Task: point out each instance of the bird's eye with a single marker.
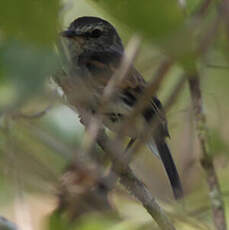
(96, 33)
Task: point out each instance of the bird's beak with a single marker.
(68, 34)
(71, 34)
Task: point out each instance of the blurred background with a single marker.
(39, 135)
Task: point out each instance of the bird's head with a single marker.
(93, 34)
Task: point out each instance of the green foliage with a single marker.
(26, 67)
(88, 222)
(28, 31)
(156, 20)
(192, 5)
(33, 21)
(222, 43)
(217, 143)
(161, 23)
(58, 222)
(166, 24)
(23, 151)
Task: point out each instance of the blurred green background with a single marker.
(34, 152)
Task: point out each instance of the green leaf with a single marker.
(59, 222)
(154, 19)
(217, 144)
(192, 5)
(89, 221)
(34, 21)
(25, 67)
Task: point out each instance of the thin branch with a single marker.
(216, 66)
(131, 182)
(209, 37)
(206, 161)
(126, 63)
(171, 100)
(22, 214)
(19, 115)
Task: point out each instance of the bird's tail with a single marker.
(160, 148)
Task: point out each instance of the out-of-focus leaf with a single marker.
(217, 144)
(28, 29)
(92, 221)
(24, 157)
(35, 21)
(59, 222)
(161, 22)
(154, 19)
(191, 5)
(165, 24)
(95, 222)
(222, 43)
(1, 73)
(25, 67)
(6, 193)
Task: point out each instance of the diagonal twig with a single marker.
(133, 184)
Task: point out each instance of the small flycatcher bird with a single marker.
(95, 52)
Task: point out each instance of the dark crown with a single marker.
(89, 20)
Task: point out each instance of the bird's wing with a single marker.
(154, 112)
(104, 65)
(134, 85)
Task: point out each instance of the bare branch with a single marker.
(18, 115)
(206, 158)
(131, 182)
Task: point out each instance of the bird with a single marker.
(95, 51)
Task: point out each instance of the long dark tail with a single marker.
(170, 168)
